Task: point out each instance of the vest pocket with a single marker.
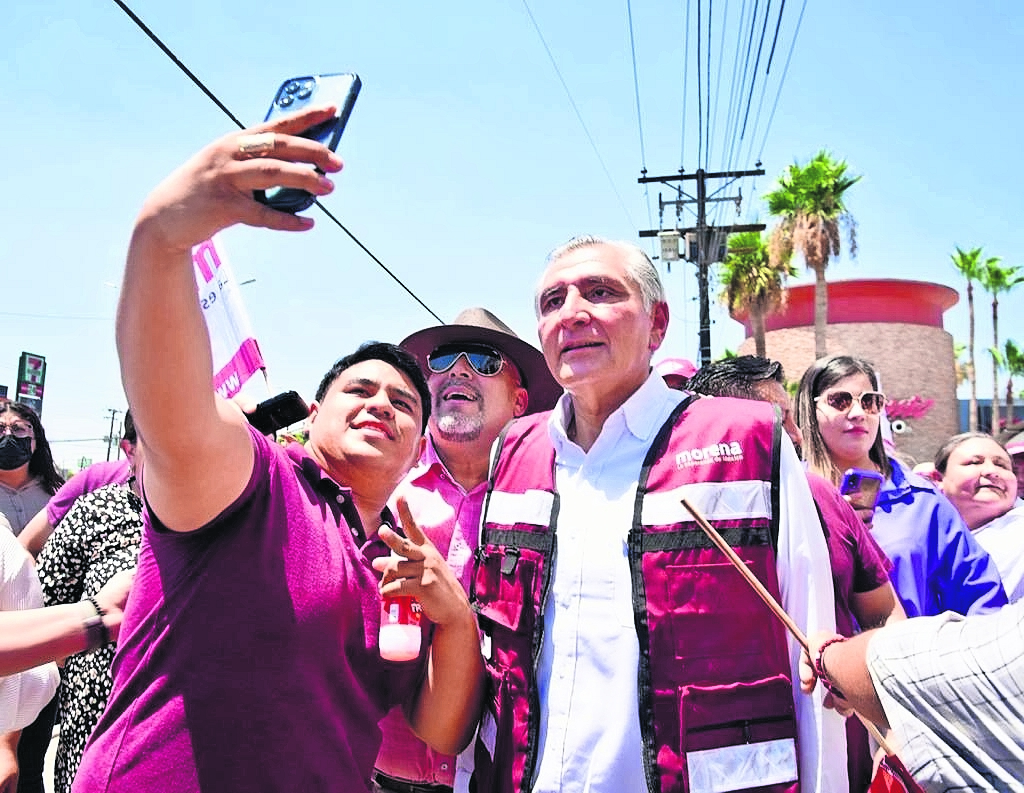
(503, 587)
(739, 736)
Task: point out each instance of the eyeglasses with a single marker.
(870, 401)
(17, 430)
(485, 361)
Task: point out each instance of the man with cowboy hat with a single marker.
(481, 375)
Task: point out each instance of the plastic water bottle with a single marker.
(400, 633)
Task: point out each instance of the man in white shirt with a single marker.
(566, 636)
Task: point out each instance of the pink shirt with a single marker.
(450, 517)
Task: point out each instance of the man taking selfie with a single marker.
(248, 658)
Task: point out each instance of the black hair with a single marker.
(390, 354)
(41, 465)
(736, 377)
(129, 434)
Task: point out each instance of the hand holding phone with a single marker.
(278, 412)
(862, 487)
(298, 93)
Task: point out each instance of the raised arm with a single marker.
(198, 452)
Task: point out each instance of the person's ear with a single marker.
(520, 403)
(659, 325)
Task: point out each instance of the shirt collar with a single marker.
(326, 485)
(641, 412)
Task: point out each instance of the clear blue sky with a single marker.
(466, 161)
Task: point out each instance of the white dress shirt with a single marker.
(23, 695)
(590, 738)
(1003, 538)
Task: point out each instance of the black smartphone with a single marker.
(862, 487)
(297, 93)
(278, 412)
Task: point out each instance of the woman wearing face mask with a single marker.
(28, 476)
(976, 473)
(937, 565)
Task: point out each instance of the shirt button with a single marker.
(340, 498)
(444, 766)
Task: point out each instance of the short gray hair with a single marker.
(639, 267)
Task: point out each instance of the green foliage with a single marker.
(809, 199)
(748, 276)
(1012, 359)
(816, 188)
(996, 279)
(969, 263)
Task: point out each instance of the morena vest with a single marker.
(715, 695)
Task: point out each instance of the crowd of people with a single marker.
(578, 630)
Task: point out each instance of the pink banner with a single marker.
(236, 354)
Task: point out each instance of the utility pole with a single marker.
(707, 240)
(110, 437)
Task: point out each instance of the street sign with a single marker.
(31, 376)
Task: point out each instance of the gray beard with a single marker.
(460, 428)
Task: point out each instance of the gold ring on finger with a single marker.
(257, 145)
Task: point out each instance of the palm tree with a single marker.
(751, 283)
(970, 266)
(809, 200)
(997, 280)
(959, 366)
(1013, 361)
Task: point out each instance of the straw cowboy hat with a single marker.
(480, 326)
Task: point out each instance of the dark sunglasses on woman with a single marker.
(870, 401)
(485, 361)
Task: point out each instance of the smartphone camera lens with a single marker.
(292, 86)
(305, 90)
(285, 100)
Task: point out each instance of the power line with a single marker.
(686, 82)
(721, 61)
(700, 98)
(707, 147)
(636, 85)
(576, 110)
(167, 51)
(775, 38)
(639, 118)
(785, 71)
(732, 113)
(757, 62)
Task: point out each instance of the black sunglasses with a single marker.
(486, 361)
(870, 401)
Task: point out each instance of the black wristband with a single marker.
(96, 632)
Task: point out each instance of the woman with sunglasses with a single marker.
(937, 565)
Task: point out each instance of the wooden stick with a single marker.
(770, 601)
(745, 571)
